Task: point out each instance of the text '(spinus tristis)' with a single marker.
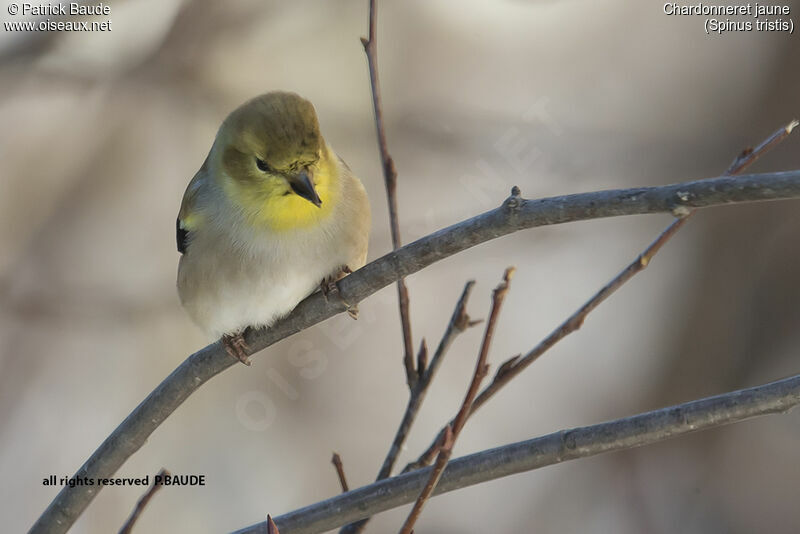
(272, 215)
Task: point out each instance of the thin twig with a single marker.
(142, 502)
(390, 177)
(513, 215)
(749, 156)
(643, 429)
(482, 368)
(422, 359)
(451, 433)
(337, 463)
(445, 451)
(515, 365)
(459, 322)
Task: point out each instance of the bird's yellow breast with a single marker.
(289, 212)
(282, 212)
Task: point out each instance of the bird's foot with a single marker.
(237, 347)
(329, 286)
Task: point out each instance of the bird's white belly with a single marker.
(259, 301)
(231, 290)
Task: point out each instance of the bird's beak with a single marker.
(303, 186)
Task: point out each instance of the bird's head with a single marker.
(274, 156)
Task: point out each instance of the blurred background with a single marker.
(101, 132)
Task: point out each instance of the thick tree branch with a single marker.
(514, 214)
(642, 429)
(515, 365)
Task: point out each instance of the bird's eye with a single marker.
(262, 165)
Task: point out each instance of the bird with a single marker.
(272, 215)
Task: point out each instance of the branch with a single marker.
(515, 365)
(272, 528)
(435, 475)
(142, 502)
(514, 214)
(337, 464)
(643, 429)
(451, 433)
(390, 177)
(459, 322)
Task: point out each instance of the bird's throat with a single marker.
(287, 212)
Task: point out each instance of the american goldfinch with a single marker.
(272, 215)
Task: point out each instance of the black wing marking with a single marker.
(181, 235)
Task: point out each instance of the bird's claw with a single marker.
(329, 286)
(237, 347)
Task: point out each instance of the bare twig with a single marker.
(142, 502)
(337, 463)
(749, 156)
(459, 322)
(422, 359)
(643, 429)
(482, 368)
(515, 365)
(390, 177)
(445, 451)
(451, 433)
(515, 214)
